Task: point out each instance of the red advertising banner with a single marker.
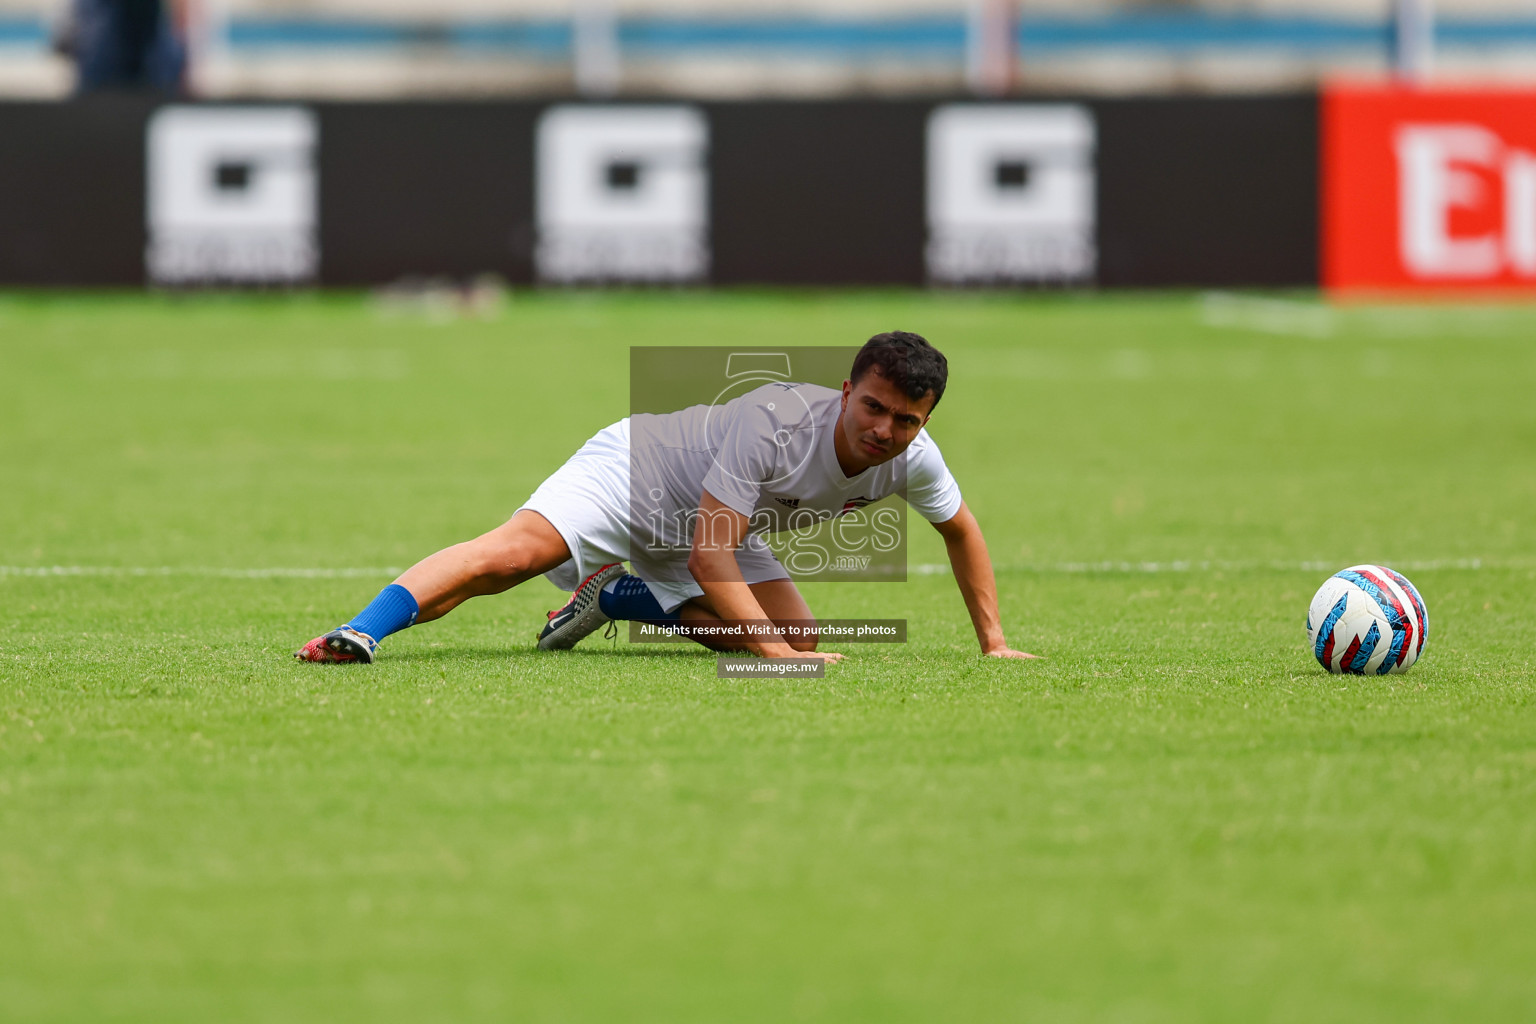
(1428, 190)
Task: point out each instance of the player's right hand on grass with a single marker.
(1008, 652)
(830, 657)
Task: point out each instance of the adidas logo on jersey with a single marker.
(788, 502)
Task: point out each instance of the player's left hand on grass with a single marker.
(1009, 652)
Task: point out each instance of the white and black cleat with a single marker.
(581, 615)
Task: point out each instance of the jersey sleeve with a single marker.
(745, 458)
(931, 489)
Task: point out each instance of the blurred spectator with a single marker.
(124, 45)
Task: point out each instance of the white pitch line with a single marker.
(1178, 566)
(920, 569)
(1268, 315)
(195, 570)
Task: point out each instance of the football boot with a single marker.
(339, 647)
(581, 615)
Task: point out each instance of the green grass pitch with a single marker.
(1176, 817)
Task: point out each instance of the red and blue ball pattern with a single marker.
(1367, 620)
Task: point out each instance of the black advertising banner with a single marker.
(72, 192)
(425, 189)
(1208, 191)
(1136, 192)
(817, 193)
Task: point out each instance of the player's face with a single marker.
(879, 420)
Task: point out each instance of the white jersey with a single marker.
(771, 450)
(633, 491)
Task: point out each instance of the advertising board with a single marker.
(1131, 192)
(232, 195)
(1428, 191)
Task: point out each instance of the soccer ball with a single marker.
(1367, 620)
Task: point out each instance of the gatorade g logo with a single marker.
(746, 372)
(621, 194)
(232, 195)
(1011, 194)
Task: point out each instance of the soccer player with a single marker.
(686, 496)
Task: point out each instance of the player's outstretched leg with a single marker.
(523, 547)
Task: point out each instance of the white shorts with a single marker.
(587, 502)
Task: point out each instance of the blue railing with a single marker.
(941, 37)
(23, 32)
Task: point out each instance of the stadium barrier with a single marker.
(1429, 191)
(1130, 192)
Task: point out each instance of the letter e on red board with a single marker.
(1428, 190)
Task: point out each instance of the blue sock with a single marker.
(390, 612)
(629, 598)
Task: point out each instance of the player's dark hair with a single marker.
(907, 361)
